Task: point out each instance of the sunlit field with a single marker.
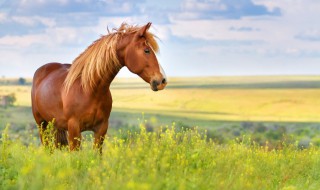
(279, 99)
(225, 104)
(240, 99)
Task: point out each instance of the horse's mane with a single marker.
(100, 58)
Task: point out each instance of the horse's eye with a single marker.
(147, 51)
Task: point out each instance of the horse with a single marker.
(77, 96)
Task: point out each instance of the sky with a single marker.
(197, 38)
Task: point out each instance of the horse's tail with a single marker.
(61, 138)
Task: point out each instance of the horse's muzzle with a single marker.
(158, 84)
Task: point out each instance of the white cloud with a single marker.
(270, 4)
(42, 2)
(309, 35)
(3, 17)
(28, 2)
(32, 21)
(54, 36)
(287, 35)
(23, 41)
(51, 37)
(222, 9)
(56, 7)
(163, 32)
(213, 5)
(63, 2)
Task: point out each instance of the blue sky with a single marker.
(198, 38)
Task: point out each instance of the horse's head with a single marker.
(140, 58)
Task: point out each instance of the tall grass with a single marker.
(166, 159)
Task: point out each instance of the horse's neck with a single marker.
(122, 44)
(105, 82)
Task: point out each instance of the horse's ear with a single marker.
(144, 29)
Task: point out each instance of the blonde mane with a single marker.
(100, 58)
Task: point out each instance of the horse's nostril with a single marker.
(164, 81)
(155, 85)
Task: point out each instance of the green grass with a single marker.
(166, 159)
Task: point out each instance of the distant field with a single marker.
(226, 98)
(279, 99)
(22, 93)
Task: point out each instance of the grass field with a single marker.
(254, 133)
(278, 99)
(230, 98)
(165, 159)
(225, 104)
(209, 102)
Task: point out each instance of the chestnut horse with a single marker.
(77, 95)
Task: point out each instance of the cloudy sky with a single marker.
(198, 38)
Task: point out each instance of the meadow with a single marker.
(199, 133)
(166, 159)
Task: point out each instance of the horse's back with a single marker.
(50, 75)
(46, 90)
(45, 70)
